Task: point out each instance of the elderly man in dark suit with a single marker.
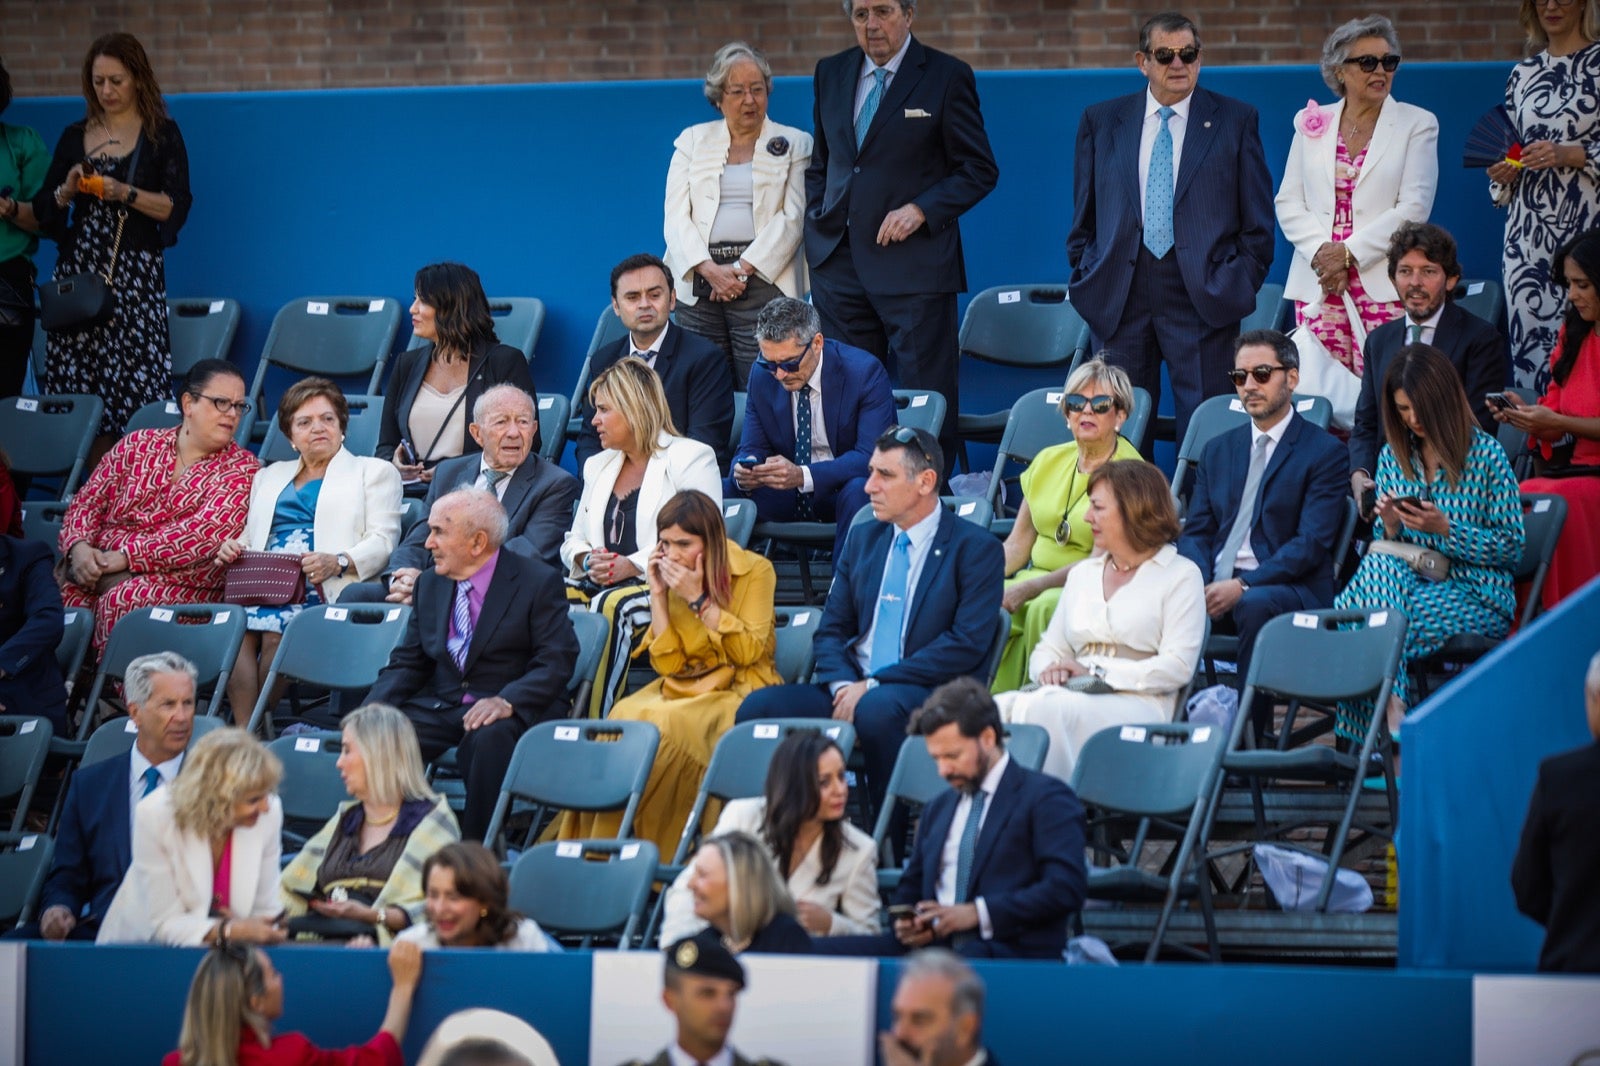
(809, 423)
(997, 869)
(94, 844)
(538, 496)
(1268, 500)
(1172, 221)
(695, 374)
(915, 601)
(488, 651)
(1558, 859)
(31, 625)
(900, 155)
(1424, 269)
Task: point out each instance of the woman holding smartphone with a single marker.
(712, 641)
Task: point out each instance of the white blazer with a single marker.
(166, 896)
(679, 463)
(694, 189)
(851, 894)
(358, 512)
(1396, 184)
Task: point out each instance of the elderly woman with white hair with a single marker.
(360, 877)
(735, 208)
(1356, 171)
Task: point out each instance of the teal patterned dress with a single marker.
(1484, 546)
(293, 520)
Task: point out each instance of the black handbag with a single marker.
(80, 302)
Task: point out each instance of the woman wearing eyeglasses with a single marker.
(1050, 536)
(146, 527)
(736, 200)
(1553, 99)
(1356, 171)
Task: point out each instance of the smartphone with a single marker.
(902, 912)
(1498, 400)
(404, 453)
(747, 461)
(1408, 501)
(1369, 500)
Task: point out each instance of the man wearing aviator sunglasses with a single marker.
(1165, 272)
(1268, 500)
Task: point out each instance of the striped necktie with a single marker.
(461, 614)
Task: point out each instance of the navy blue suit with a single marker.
(1185, 307)
(30, 628)
(1478, 351)
(857, 407)
(926, 145)
(955, 610)
(695, 375)
(1298, 515)
(94, 844)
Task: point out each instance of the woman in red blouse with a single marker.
(145, 528)
(236, 995)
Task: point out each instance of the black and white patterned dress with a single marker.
(1553, 98)
(128, 361)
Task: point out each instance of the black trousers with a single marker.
(483, 755)
(16, 342)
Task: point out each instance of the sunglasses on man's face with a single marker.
(1262, 374)
(1164, 56)
(788, 366)
(1075, 402)
(1368, 64)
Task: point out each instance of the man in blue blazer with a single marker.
(31, 625)
(847, 402)
(1006, 889)
(480, 689)
(94, 843)
(1166, 273)
(900, 155)
(1425, 270)
(695, 374)
(1271, 552)
(915, 602)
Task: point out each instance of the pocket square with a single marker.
(916, 112)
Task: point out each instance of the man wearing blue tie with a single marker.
(1172, 222)
(815, 408)
(94, 844)
(915, 602)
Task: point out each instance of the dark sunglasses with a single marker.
(1075, 402)
(1262, 374)
(223, 404)
(788, 366)
(1368, 64)
(1188, 53)
(904, 435)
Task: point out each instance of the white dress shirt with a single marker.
(1246, 559)
(649, 354)
(921, 536)
(945, 888)
(499, 489)
(821, 450)
(1430, 326)
(1177, 124)
(680, 1057)
(138, 764)
(864, 84)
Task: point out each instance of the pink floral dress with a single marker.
(1329, 320)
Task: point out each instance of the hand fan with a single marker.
(1494, 139)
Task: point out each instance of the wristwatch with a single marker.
(133, 195)
(343, 560)
(872, 683)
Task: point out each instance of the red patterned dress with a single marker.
(169, 528)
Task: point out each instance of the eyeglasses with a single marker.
(1075, 402)
(905, 435)
(1262, 374)
(1188, 53)
(1390, 62)
(223, 404)
(788, 366)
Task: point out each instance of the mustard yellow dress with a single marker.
(704, 675)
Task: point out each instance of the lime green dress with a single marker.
(1053, 487)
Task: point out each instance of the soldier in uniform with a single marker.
(700, 986)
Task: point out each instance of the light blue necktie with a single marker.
(968, 847)
(891, 605)
(1158, 191)
(1246, 516)
(869, 106)
(152, 779)
(461, 614)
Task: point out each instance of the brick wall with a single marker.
(201, 46)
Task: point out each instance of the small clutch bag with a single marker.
(265, 579)
(1092, 684)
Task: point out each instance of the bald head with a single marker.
(504, 424)
(465, 528)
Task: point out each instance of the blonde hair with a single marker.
(635, 391)
(389, 749)
(1112, 377)
(225, 982)
(222, 768)
(756, 894)
(1538, 40)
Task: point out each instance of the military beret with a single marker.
(704, 956)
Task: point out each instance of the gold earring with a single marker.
(483, 912)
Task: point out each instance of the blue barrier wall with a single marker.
(543, 187)
(114, 1005)
(1472, 755)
